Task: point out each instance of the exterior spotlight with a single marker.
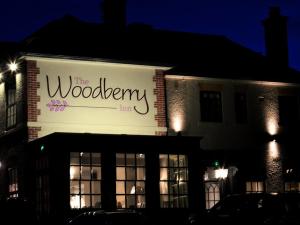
(13, 66)
(221, 173)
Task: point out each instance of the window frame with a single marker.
(211, 109)
(11, 108)
(137, 195)
(171, 194)
(85, 178)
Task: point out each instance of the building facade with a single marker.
(107, 119)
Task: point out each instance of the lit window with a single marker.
(254, 186)
(292, 187)
(173, 181)
(13, 187)
(85, 180)
(212, 194)
(130, 180)
(211, 106)
(11, 110)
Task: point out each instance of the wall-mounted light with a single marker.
(221, 173)
(13, 66)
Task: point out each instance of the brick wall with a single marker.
(32, 98)
(159, 104)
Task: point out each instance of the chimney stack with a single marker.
(114, 14)
(276, 42)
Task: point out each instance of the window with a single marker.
(212, 194)
(173, 181)
(211, 106)
(130, 180)
(11, 110)
(292, 186)
(42, 186)
(288, 110)
(13, 187)
(240, 107)
(85, 180)
(254, 186)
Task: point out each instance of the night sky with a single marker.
(239, 20)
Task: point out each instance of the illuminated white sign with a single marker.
(95, 97)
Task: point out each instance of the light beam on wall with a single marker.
(177, 123)
(273, 150)
(272, 126)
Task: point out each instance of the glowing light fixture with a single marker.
(13, 66)
(221, 173)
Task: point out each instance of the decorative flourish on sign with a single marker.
(57, 105)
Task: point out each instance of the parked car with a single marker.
(101, 217)
(255, 208)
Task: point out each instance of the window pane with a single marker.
(96, 173)
(74, 187)
(141, 202)
(140, 159)
(120, 159)
(85, 201)
(164, 201)
(85, 187)
(163, 160)
(140, 173)
(120, 173)
(130, 159)
(130, 187)
(173, 161)
(130, 173)
(183, 161)
(74, 172)
(140, 187)
(96, 187)
(183, 188)
(163, 174)
(75, 201)
(163, 187)
(96, 159)
(96, 201)
(85, 158)
(85, 173)
(121, 201)
(130, 200)
(120, 187)
(74, 158)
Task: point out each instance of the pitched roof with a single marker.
(188, 53)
